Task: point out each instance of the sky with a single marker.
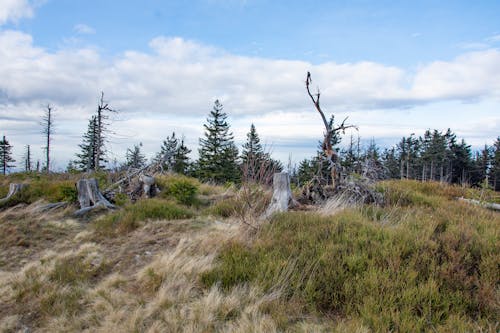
(393, 67)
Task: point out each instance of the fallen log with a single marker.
(14, 189)
(90, 197)
(489, 205)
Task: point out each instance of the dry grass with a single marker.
(423, 261)
(77, 291)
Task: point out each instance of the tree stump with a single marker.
(90, 197)
(282, 195)
(14, 189)
(148, 185)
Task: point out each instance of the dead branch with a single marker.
(489, 205)
(330, 153)
(13, 190)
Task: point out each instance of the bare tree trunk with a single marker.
(282, 194)
(48, 130)
(90, 197)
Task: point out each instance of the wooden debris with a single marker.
(90, 197)
(282, 195)
(14, 189)
(489, 205)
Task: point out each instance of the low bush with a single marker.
(132, 215)
(183, 189)
(433, 267)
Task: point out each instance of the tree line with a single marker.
(435, 155)
(219, 159)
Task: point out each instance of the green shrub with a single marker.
(184, 191)
(433, 264)
(132, 215)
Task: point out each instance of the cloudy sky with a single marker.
(394, 69)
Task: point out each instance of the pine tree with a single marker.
(181, 162)
(135, 158)
(87, 157)
(166, 156)
(495, 169)
(173, 155)
(218, 155)
(252, 156)
(6, 158)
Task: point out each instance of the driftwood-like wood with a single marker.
(148, 185)
(489, 205)
(282, 195)
(90, 197)
(14, 189)
(330, 130)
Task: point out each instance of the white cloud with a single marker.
(173, 86)
(13, 10)
(494, 38)
(84, 29)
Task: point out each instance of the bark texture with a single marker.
(90, 197)
(282, 194)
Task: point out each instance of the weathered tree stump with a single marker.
(148, 185)
(90, 197)
(282, 195)
(14, 189)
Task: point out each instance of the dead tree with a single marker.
(330, 130)
(102, 109)
(13, 190)
(48, 130)
(282, 195)
(90, 197)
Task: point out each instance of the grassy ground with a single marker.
(185, 263)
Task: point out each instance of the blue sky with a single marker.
(402, 33)
(394, 67)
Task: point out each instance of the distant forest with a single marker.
(434, 156)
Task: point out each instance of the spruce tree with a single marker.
(166, 156)
(135, 158)
(173, 155)
(6, 158)
(495, 170)
(87, 157)
(252, 156)
(218, 155)
(181, 161)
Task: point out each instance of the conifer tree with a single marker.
(173, 155)
(495, 169)
(181, 162)
(135, 158)
(166, 156)
(258, 165)
(87, 157)
(6, 158)
(218, 155)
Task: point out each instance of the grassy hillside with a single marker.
(185, 262)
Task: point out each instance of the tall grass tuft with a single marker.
(433, 266)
